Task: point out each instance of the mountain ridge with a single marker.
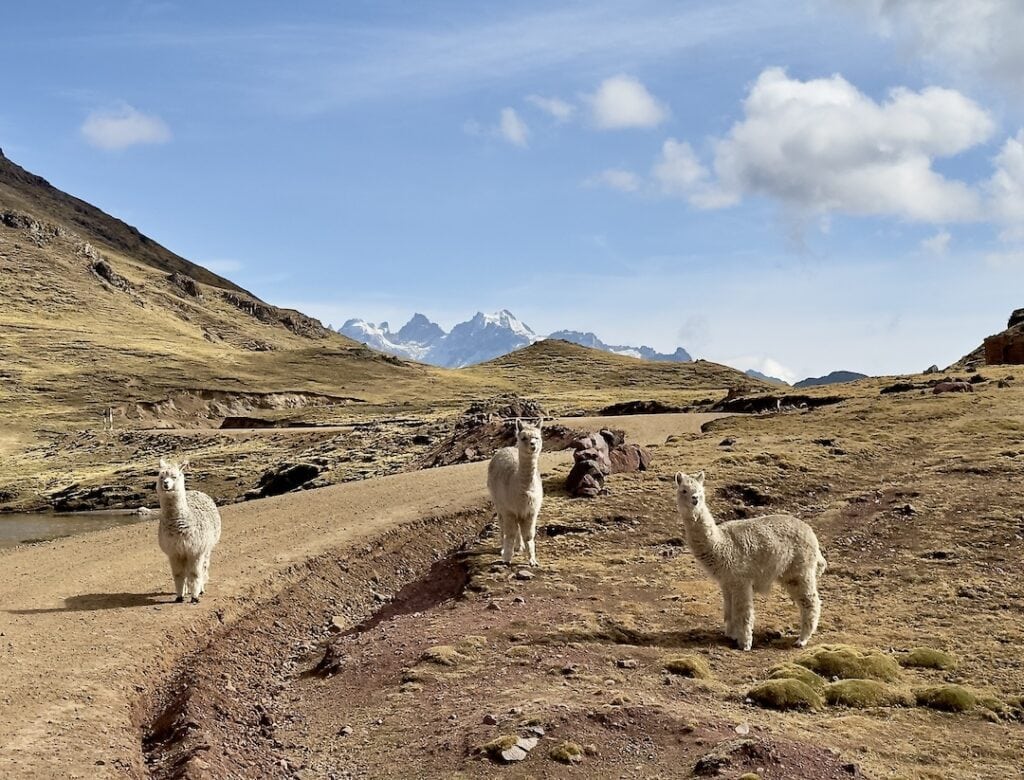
(479, 339)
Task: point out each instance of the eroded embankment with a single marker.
(216, 715)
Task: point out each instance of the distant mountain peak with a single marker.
(482, 337)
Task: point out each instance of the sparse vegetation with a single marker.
(567, 752)
(860, 694)
(689, 666)
(785, 694)
(928, 658)
(948, 698)
(797, 672)
(849, 663)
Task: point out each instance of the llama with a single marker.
(750, 555)
(516, 490)
(189, 530)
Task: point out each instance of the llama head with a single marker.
(528, 437)
(689, 491)
(172, 476)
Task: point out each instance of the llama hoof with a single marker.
(800, 643)
(195, 599)
(745, 646)
(179, 600)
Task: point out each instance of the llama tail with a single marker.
(822, 564)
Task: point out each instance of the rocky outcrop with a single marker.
(953, 387)
(186, 284)
(285, 478)
(597, 455)
(1006, 348)
(639, 407)
(758, 404)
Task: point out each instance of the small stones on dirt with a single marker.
(525, 575)
(345, 731)
(494, 606)
(567, 752)
(626, 663)
(728, 441)
(518, 600)
(722, 757)
(490, 720)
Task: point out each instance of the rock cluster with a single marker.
(597, 455)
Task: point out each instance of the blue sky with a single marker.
(833, 184)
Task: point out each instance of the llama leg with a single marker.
(509, 532)
(204, 572)
(178, 573)
(805, 595)
(194, 578)
(730, 628)
(743, 615)
(528, 532)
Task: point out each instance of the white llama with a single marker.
(516, 490)
(750, 555)
(189, 530)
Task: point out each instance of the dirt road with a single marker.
(86, 624)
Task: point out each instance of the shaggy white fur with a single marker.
(750, 555)
(189, 530)
(516, 490)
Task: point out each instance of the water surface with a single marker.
(38, 526)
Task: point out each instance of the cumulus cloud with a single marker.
(122, 127)
(974, 37)
(1006, 188)
(823, 146)
(937, 244)
(512, 128)
(558, 109)
(615, 178)
(622, 102)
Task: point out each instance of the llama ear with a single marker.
(700, 477)
(519, 425)
(163, 464)
(183, 466)
(679, 478)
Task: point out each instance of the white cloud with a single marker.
(622, 101)
(512, 128)
(980, 38)
(557, 108)
(1006, 188)
(677, 171)
(124, 126)
(937, 244)
(766, 365)
(616, 179)
(822, 145)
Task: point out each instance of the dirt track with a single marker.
(86, 625)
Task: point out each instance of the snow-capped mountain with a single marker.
(589, 339)
(482, 338)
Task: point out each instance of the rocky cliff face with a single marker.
(1005, 348)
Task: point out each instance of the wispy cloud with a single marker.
(555, 107)
(616, 179)
(512, 128)
(124, 126)
(937, 244)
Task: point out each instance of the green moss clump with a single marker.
(861, 694)
(750, 776)
(785, 694)
(796, 672)
(472, 642)
(927, 658)
(849, 663)
(442, 655)
(948, 698)
(689, 666)
(567, 752)
(499, 745)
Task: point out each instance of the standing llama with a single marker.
(750, 555)
(189, 530)
(516, 490)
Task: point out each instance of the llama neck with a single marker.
(527, 466)
(702, 528)
(173, 504)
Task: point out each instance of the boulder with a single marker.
(932, 369)
(953, 387)
(586, 480)
(286, 477)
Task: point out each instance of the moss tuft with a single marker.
(850, 663)
(689, 666)
(861, 694)
(928, 658)
(797, 672)
(785, 694)
(442, 655)
(948, 698)
(472, 642)
(567, 752)
(499, 745)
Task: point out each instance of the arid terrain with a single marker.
(358, 622)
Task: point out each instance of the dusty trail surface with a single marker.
(87, 626)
